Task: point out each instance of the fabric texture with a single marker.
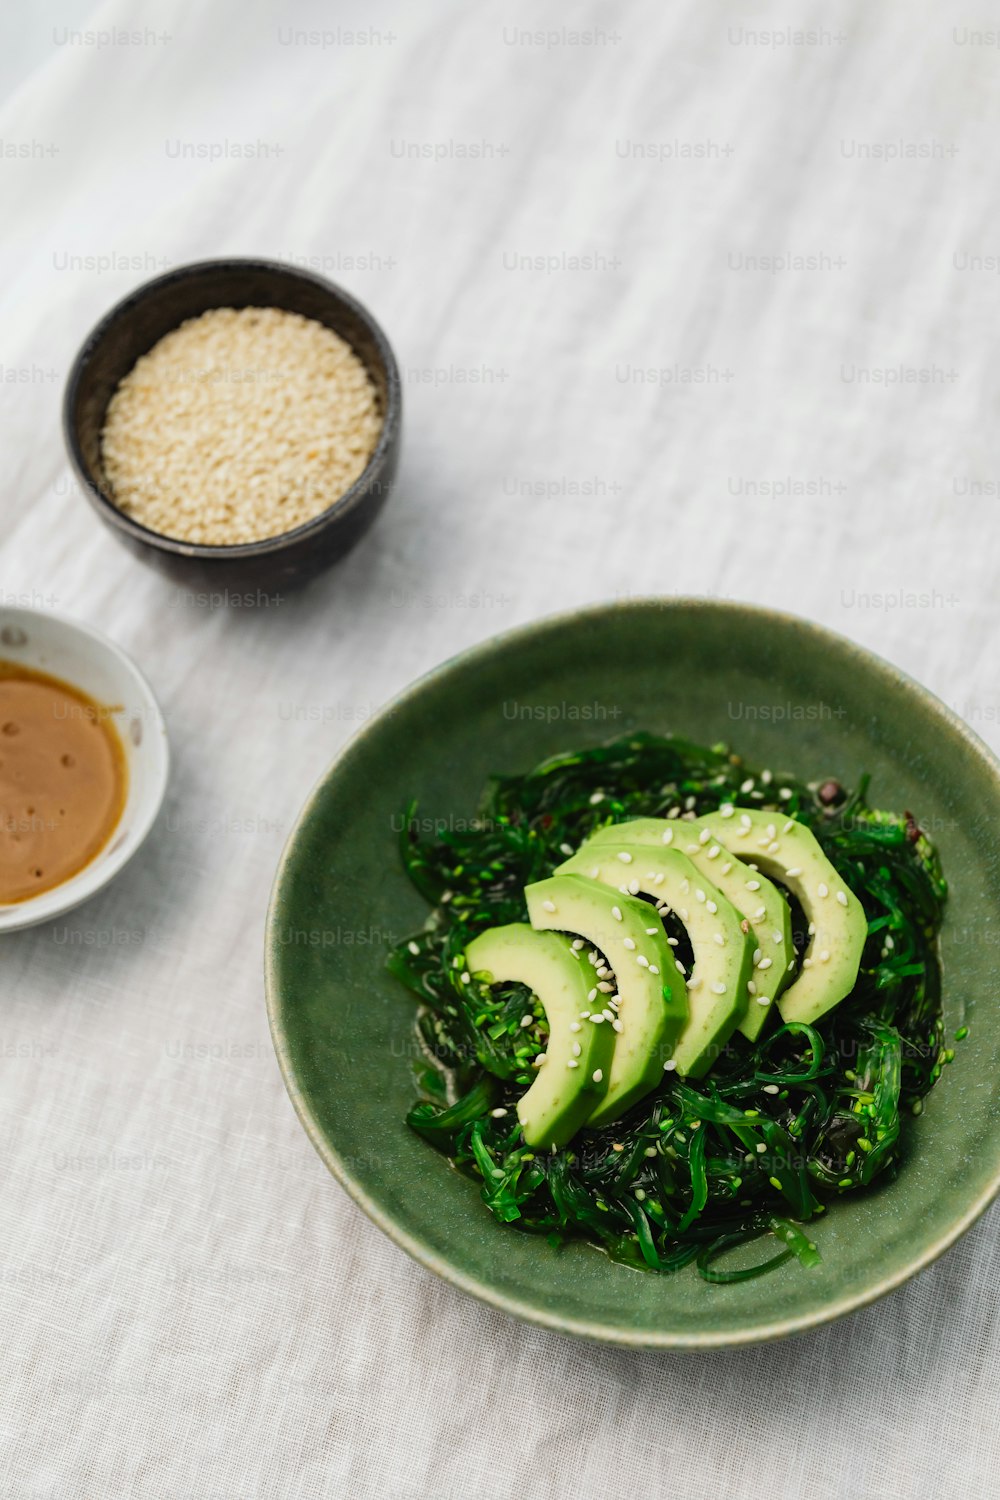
(686, 301)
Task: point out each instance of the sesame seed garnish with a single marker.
(726, 867)
(784, 792)
(674, 942)
(566, 849)
(704, 835)
(466, 976)
(824, 957)
(842, 897)
(595, 871)
(758, 953)
(669, 1065)
(652, 931)
(773, 847)
(625, 857)
(577, 1049)
(726, 810)
(763, 1000)
(807, 963)
(795, 870)
(765, 963)
(658, 879)
(572, 1063)
(598, 1074)
(630, 945)
(766, 778)
(667, 836)
(712, 907)
(776, 936)
(678, 966)
(616, 912)
(654, 969)
(617, 1146)
(575, 1026)
(761, 1148)
(824, 890)
(760, 912)
(549, 905)
(596, 797)
(753, 885)
(751, 987)
(633, 887)
(616, 1025)
(640, 1194)
(413, 947)
(577, 944)
(685, 887)
(606, 988)
(497, 1114)
(718, 937)
(592, 995)
(537, 1063)
(527, 1020)
(650, 1151)
(694, 981)
(642, 960)
(715, 851)
(597, 1017)
(699, 895)
(718, 988)
(747, 785)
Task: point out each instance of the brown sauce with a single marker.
(63, 779)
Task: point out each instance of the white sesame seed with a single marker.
(527, 1020)
(842, 897)
(652, 931)
(572, 1063)
(776, 936)
(711, 906)
(699, 895)
(674, 942)
(596, 797)
(642, 960)
(413, 947)
(718, 937)
(765, 963)
(793, 872)
(606, 988)
(678, 966)
(751, 987)
(537, 1063)
(592, 995)
(669, 1065)
(630, 945)
(760, 912)
(694, 981)
(650, 1151)
(625, 857)
(766, 778)
(763, 1000)
(769, 1088)
(577, 944)
(654, 969)
(685, 886)
(633, 887)
(598, 1074)
(761, 1147)
(824, 890)
(747, 786)
(497, 1114)
(726, 867)
(566, 849)
(726, 810)
(466, 976)
(753, 885)
(784, 792)
(718, 987)
(549, 905)
(616, 912)
(577, 1049)
(704, 835)
(575, 1026)
(667, 835)
(824, 957)
(758, 954)
(597, 1017)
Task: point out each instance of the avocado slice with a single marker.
(574, 1075)
(753, 895)
(787, 852)
(723, 951)
(650, 1006)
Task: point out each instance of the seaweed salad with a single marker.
(778, 1126)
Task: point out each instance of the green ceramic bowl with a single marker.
(786, 694)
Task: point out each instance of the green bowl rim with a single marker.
(411, 1243)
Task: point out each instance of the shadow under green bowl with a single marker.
(783, 693)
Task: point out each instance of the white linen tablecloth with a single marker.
(755, 359)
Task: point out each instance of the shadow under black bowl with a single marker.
(138, 322)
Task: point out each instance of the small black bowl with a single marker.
(138, 322)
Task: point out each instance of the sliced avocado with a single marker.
(720, 941)
(574, 1076)
(650, 1005)
(787, 852)
(753, 895)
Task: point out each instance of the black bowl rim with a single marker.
(344, 503)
